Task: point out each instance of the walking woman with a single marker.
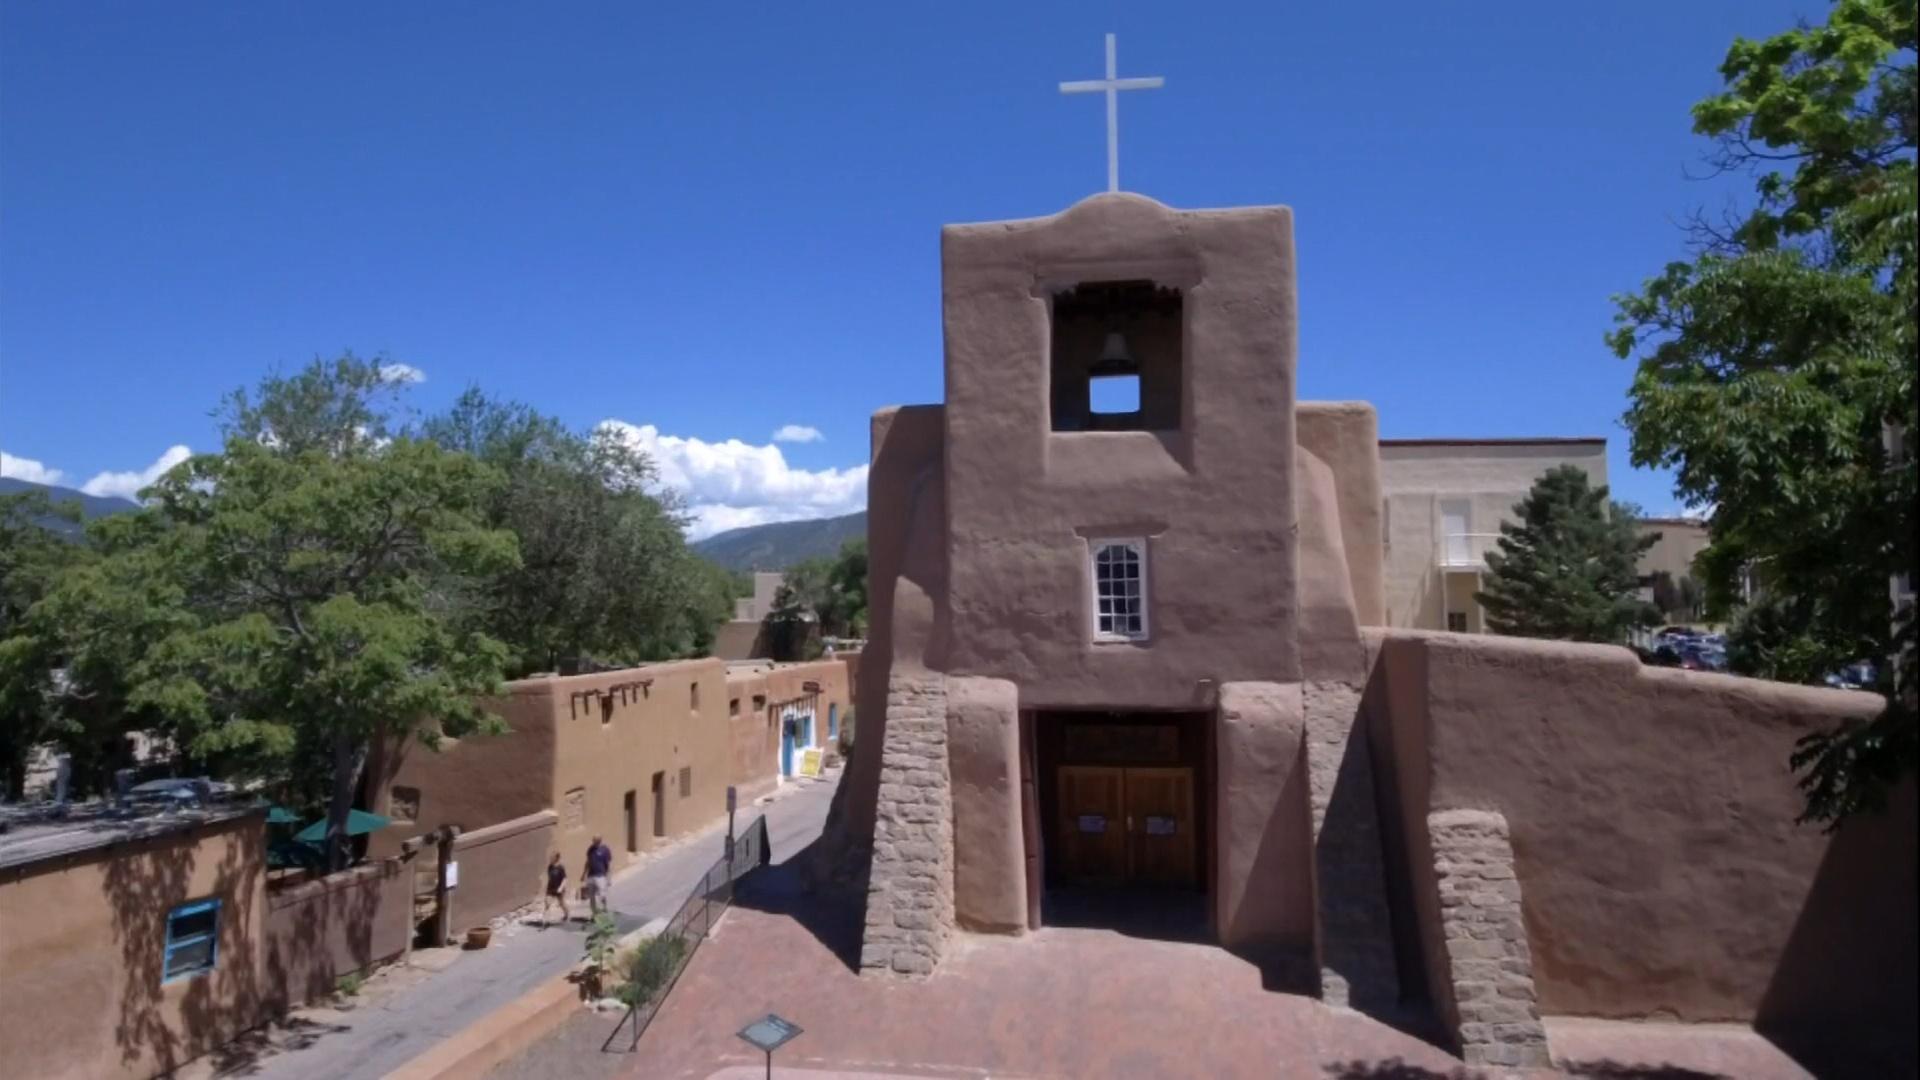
(556, 891)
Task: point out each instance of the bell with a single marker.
(1115, 357)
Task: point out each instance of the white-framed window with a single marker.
(1119, 571)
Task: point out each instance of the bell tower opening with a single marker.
(1117, 357)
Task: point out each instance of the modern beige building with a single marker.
(1442, 504)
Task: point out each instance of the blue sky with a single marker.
(711, 223)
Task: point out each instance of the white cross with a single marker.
(1110, 86)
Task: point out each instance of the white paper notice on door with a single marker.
(1093, 823)
(1161, 826)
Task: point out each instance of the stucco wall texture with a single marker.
(319, 930)
(81, 951)
(502, 867)
(82, 943)
(1651, 814)
(755, 699)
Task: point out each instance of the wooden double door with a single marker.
(1122, 826)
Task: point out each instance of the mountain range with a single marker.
(783, 543)
(91, 506)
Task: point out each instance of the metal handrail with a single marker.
(745, 853)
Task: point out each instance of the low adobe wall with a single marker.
(503, 867)
(1652, 823)
(348, 922)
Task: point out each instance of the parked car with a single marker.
(181, 789)
(1859, 675)
(1698, 656)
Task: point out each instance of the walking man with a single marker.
(556, 891)
(599, 865)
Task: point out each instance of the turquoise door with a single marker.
(786, 745)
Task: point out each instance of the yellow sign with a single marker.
(810, 762)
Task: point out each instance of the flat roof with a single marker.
(34, 834)
(1542, 440)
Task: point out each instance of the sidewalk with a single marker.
(407, 1010)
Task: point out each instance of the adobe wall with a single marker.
(614, 731)
(471, 782)
(754, 729)
(81, 951)
(753, 736)
(1843, 997)
(1651, 812)
(906, 559)
(347, 922)
(503, 867)
(1216, 493)
(1345, 436)
(737, 639)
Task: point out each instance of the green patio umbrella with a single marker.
(280, 815)
(359, 822)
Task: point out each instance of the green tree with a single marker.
(32, 556)
(848, 581)
(1568, 567)
(788, 626)
(835, 590)
(327, 605)
(1666, 596)
(332, 406)
(605, 576)
(1776, 372)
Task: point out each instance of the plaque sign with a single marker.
(1162, 826)
(1093, 823)
(770, 1033)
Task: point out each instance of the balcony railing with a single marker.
(1466, 551)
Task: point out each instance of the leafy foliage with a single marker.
(605, 577)
(835, 590)
(1776, 370)
(1567, 567)
(337, 578)
(32, 557)
(788, 627)
(649, 968)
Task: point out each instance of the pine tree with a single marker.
(1568, 567)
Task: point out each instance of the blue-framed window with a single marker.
(193, 939)
(833, 720)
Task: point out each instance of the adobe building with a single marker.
(638, 756)
(135, 940)
(1130, 664)
(778, 713)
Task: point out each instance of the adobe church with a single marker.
(1127, 659)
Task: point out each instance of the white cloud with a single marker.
(402, 373)
(21, 468)
(731, 484)
(798, 433)
(127, 485)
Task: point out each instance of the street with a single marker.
(372, 1039)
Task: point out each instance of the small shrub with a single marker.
(846, 733)
(648, 968)
(603, 937)
(349, 985)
